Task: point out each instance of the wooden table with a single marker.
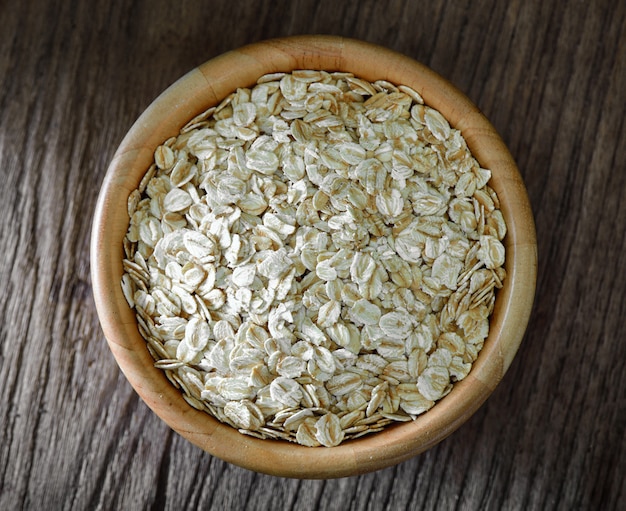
(550, 75)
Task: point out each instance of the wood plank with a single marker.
(551, 76)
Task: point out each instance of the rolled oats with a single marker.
(314, 258)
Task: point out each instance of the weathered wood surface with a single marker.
(551, 76)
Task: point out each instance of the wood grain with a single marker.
(551, 77)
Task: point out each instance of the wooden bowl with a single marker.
(207, 85)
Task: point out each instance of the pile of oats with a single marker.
(315, 258)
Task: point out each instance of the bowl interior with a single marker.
(205, 86)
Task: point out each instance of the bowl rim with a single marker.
(205, 86)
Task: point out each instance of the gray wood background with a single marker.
(550, 75)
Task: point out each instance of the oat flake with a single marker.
(315, 258)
